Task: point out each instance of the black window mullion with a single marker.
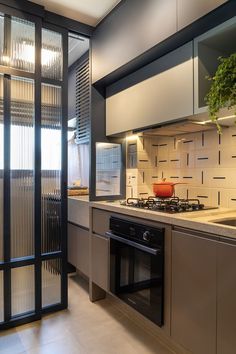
(37, 166)
(7, 198)
(7, 166)
(16, 72)
(64, 277)
(62, 255)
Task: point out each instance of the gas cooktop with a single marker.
(167, 205)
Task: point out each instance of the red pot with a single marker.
(164, 189)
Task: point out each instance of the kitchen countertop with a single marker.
(199, 220)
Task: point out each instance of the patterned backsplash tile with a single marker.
(204, 162)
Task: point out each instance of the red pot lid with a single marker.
(164, 183)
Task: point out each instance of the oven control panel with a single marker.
(152, 236)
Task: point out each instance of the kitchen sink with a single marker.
(228, 222)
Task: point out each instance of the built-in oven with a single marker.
(137, 266)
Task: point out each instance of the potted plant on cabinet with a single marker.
(223, 88)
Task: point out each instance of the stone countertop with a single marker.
(199, 220)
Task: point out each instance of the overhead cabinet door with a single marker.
(133, 28)
(189, 11)
(161, 92)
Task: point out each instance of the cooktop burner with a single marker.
(167, 205)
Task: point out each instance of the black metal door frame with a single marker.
(64, 99)
(38, 257)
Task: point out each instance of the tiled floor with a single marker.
(85, 328)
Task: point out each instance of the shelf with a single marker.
(220, 41)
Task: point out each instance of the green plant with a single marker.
(223, 88)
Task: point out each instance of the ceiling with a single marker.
(90, 12)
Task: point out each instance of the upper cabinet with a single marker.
(160, 92)
(134, 27)
(220, 41)
(189, 11)
(131, 29)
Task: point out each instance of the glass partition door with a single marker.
(33, 143)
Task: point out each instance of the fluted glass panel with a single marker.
(51, 282)
(2, 57)
(22, 290)
(51, 168)
(51, 55)
(22, 167)
(1, 297)
(22, 44)
(1, 167)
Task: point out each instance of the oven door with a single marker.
(137, 276)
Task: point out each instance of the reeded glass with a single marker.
(51, 168)
(22, 45)
(22, 167)
(21, 54)
(51, 55)
(1, 167)
(1, 297)
(22, 290)
(2, 58)
(51, 282)
(108, 169)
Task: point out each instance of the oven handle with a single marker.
(154, 251)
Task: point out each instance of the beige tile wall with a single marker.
(206, 162)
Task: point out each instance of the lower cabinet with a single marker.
(100, 261)
(203, 318)
(226, 298)
(193, 320)
(78, 248)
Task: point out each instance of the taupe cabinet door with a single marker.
(226, 296)
(190, 10)
(100, 261)
(78, 248)
(164, 93)
(193, 322)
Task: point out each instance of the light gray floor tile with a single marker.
(85, 328)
